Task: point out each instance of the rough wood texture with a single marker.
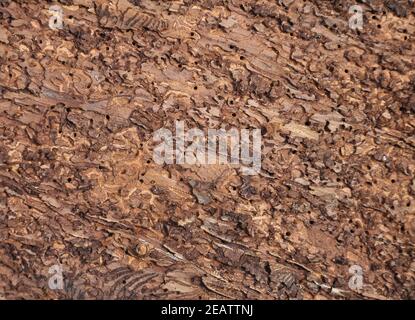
(79, 188)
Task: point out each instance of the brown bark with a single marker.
(79, 188)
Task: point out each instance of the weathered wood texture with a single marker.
(79, 188)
